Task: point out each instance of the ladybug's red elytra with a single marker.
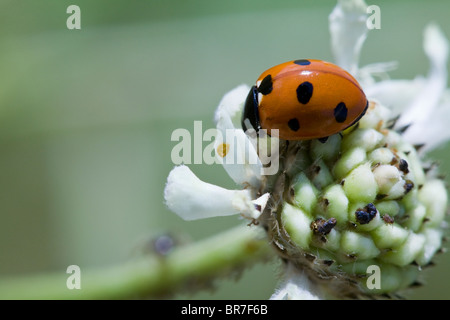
(304, 99)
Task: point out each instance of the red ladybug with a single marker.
(304, 99)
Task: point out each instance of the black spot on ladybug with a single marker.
(266, 85)
(302, 62)
(304, 92)
(359, 117)
(293, 124)
(340, 112)
(365, 215)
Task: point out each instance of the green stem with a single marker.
(152, 275)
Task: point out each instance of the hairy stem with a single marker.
(151, 275)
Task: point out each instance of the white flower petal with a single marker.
(240, 160)
(395, 94)
(366, 74)
(426, 101)
(231, 105)
(348, 31)
(437, 132)
(261, 202)
(234, 149)
(296, 286)
(192, 199)
(421, 103)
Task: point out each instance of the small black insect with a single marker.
(323, 227)
(388, 219)
(366, 214)
(403, 166)
(408, 186)
(164, 244)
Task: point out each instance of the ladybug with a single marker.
(304, 99)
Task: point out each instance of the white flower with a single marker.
(193, 199)
(421, 105)
(296, 287)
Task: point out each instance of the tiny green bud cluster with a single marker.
(364, 197)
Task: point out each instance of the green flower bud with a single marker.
(358, 202)
(357, 245)
(305, 193)
(348, 161)
(334, 203)
(363, 138)
(434, 196)
(360, 184)
(297, 225)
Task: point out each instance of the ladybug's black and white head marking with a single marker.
(251, 110)
(266, 85)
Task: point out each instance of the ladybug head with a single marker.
(251, 110)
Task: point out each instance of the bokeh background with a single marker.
(86, 116)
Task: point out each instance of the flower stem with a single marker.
(152, 275)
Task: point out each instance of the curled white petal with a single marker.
(395, 94)
(192, 199)
(237, 152)
(348, 31)
(261, 202)
(422, 103)
(437, 132)
(427, 99)
(380, 70)
(230, 107)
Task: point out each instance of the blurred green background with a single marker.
(86, 116)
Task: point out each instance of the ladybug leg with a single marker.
(323, 140)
